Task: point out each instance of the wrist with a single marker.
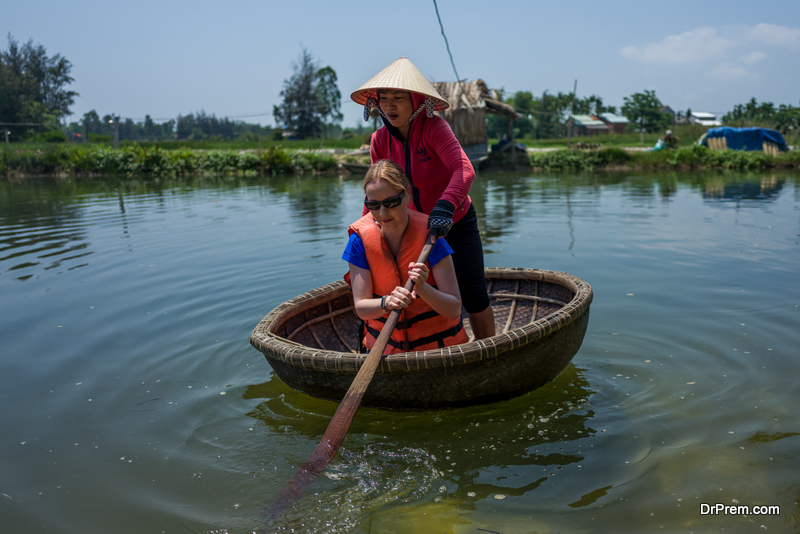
(445, 205)
(383, 303)
(422, 290)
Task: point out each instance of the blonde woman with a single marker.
(382, 252)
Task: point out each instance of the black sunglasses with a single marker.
(388, 203)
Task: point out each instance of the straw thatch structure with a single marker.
(469, 104)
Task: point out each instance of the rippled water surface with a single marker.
(131, 400)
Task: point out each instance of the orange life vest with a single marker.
(419, 327)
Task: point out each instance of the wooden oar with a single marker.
(340, 424)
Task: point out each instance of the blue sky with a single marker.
(231, 58)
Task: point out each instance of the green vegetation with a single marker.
(35, 98)
(310, 97)
(644, 111)
(543, 117)
(785, 118)
(253, 144)
(32, 87)
(579, 159)
(155, 161)
(692, 157)
(209, 144)
(87, 160)
(191, 127)
(687, 133)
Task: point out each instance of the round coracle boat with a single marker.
(312, 343)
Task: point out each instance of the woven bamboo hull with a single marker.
(541, 319)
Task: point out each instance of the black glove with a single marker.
(441, 218)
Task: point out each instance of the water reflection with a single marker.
(465, 455)
(682, 393)
(766, 189)
(39, 230)
(44, 225)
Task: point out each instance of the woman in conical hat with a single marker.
(437, 168)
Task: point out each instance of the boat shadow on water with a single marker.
(428, 457)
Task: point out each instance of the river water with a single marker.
(131, 400)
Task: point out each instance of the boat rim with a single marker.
(272, 345)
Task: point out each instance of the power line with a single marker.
(29, 124)
(458, 79)
(248, 116)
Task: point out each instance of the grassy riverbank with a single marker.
(88, 160)
(690, 157)
(134, 160)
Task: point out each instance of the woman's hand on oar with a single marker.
(340, 423)
(398, 299)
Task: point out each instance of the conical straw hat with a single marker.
(401, 75)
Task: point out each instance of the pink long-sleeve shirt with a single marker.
(439, 168)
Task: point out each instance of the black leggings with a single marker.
(465, 240)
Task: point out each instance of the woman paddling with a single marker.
(382, 252)
(438, 170)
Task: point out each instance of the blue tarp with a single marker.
(746, 138)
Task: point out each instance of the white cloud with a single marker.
(775, 35)
(729, 72)
(708, 43)
(752, 57)
(692, 46)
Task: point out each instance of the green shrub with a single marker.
(694, 156)
(615, 156)
(99, 138)
(51, 136)
(560, 160)
(276, 160)
(701, 156)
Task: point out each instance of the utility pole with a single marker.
(7, 132)
(641, 128)
(571, 120)
(115, 122)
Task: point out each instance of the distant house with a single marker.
(669, 111)
(586, 125)
(616, 123)
(704, 119)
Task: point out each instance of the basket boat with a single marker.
(311, 342)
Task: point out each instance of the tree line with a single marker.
(785, 118)
(35, 100)
(194, 127)
(546, 117)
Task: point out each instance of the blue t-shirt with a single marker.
(354, 252)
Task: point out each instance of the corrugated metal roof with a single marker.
(614, 118)
(587, 120)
